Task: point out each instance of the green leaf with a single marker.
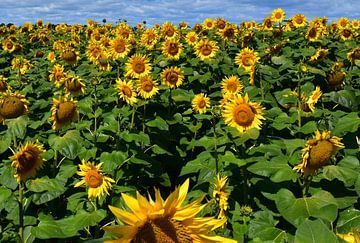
(263, 227)
(158, 122)
(17, 126)
(112, 160)
(45, 184)
(348, 123)
(5, 194)
(295, 210)
(344, 174)
(229, 157)
(348, 219)
(346, 98)
(309, 127)
(49, 228)
(5, 141)
(68, 145)
(314, 232)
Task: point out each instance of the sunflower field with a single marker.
(217, 132)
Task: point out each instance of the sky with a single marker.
(158, 11)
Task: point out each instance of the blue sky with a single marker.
(159, 11)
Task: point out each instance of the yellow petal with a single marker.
(124, 216)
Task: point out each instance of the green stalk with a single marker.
(215, 147)
(133, 117)
(95, 118)
(299, 102)
(143, 125)
(21, 212)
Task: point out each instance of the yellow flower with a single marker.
(164, 221)
(229, 33)
(12, 105)
(118, 48)
(206, 49)
(149, 38)
(63, 112)
(51, 56)
(343, 23)
(137, 66)
(28, 160)
(355, 24)
(318, 152)
(172, 49)
(231, 84)
(191, 38)
(57, 74)
(147, 87)
(352, 237)
(172, 77)
(169, 30)
(354, 54)
(298, 20)
(200, 103)
(313, 33)
(268, 23)
(208, 23)
(8, 45)
(126, 91)
(220, 23)
(247, 58)
(70, 55)
(97, 183)
(345, 34)
(221, 195)
(21, 64)
(243, 114)
(278, 15)
(73, 84)
(3, 84)
(313, 99)
(319, 55)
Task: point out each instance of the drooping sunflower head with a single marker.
(63, 112)
(73, 84)
(247, 58)
(319, 55)
(200, 103)
(172, 49)
(165, 220)
(119, 48)
(172, 77)
(206, 49)
(318, 152)
(298, 20)
(57, 74)
(28, 160)
(313, 99)
(354, 54)
(93, 178)
(3, 84)
(126, 91)
(70, 56)
(231, 84)
(278, 15)
(243, 114)
(336, 78)
(137, 66)
(351, 237)
(147, 87)
(12, 105)
(221, 195)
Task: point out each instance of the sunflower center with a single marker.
(312, 33)
(229, 33)
(163, 230)
(321, 153)
(69, 56)
(192, 39)
(119, 47)
(173, 49)
(220, 24)
(169, 32)
(73, 85)
(231, 86)
(172, 78)
(27, 160)
(247, 60)
(206, 49)
(66, 112)
(12, 107)
(278, 15)
(336, 78)
(346, 33)
(268, 23)
(9, 45)
(298, 20)
(147, 86)
(93, 179)
(139, 67)
(126, 91)
(243, 115)
(201, 104)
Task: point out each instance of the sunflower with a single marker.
(346, 34)
(247, 58)
(97, 183)
(313, 33)
(73, 84)
(3, 84)
(231, 84)
(12, 105)
(57, 74)
(169, 30)
(119, 48)
(172, 77)
(191, 38)
(220, 23)
(51, 56)
(28, 160)
(172, 49)
(343, 23)
(278, 15)
(336, 78)
(229, 32)
(63, 112)
(8, 45)
(221, 195)
(149, 38)
(70, 56)
(355, 24)
(200, 103)
(319, 55)
(21, 65)
(206, 49)
(318, 152)
(354, 54)
(313, 99)
(137, 66)
(208, 23)
(164, 221)
(268, 23)
(243, 114)
(124, 31)
(147, 87)
(298, 20)
(352, 237)
(126, 91)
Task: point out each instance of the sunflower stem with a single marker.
(215, 147)
(95, 117)
(306, 185)
(14, 141)
(21, 212)
(132, 117)
(299, 101)
(143, 125)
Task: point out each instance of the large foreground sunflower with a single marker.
(28, 160)
(97, 183)
(318, 152)
(12, 105)
(164, 221)
(63, 112)
(243, 114)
